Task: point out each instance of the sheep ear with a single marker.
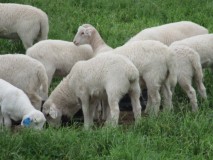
(53, 112)
(88, 31)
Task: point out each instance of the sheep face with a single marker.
(83, 36)
(53, 114)
(34, 120)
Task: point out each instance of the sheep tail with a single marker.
(44, 28)
(195, 61)
(171, 65)
(42, 76)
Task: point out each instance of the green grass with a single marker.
(179, 135)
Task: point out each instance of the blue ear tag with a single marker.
(27, 122)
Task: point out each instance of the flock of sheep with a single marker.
(96, 75)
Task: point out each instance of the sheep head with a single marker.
(34, 119)
(84, 35)
(52, 113)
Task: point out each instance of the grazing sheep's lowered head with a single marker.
(84, 34)
(34, 119)
(52, 114)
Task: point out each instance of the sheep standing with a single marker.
(171, 32)
(147, 56)
(58, 57)
(203, 45)
(23, 21)
(27, 74)
(15, 105)
(189, 67)
(105, 77)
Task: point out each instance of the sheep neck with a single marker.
(64, 97)
(97, 42)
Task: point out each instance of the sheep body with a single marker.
(202, 44)
(105, 77)
(15, 105)
(171, 32)
(23, 21)
(147, 56)
(27, 74)
(189, 67)
(58, 57)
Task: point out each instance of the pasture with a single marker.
(177, 135)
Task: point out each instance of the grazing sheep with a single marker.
(23, 22)
(27, 74)
(147, 56)
(189, 67)
(204, 47)
(58, 57)
(171, 32)
(105, 77)
(15, 105)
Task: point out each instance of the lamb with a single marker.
(15, 105)
(58, 57)
(105, 77)
(147, 56)
(202, 44)
(188, 67)
(171, 32)
(23, 22)
(27, 74)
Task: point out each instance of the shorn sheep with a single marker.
(147, 56)
(27, 74)
(15, 105)
(188, 68)
(106, 77)
(171, 32)
(23, 22)
(58, 57)
(203, 45)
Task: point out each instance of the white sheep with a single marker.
(170, 32)
(105, 77)
(147, 56)
(27, 74)
(203, 45)
(23, 22)
(58, 57)
(189, 67)
(15, 105)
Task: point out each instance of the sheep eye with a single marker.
(82, 33)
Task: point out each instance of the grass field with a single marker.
(178, 135)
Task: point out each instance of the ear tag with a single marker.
(27, 122)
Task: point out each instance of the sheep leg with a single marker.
(7, 121)
(1, 119)
(185, 84)
(50, 73)
(135, 100)
(26, 40)
(87, 112)
(167, 97)
(200, 86)
(28, 35)
(114, 110)
(153, 105)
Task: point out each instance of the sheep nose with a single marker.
(75, 43)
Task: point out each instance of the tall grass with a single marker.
(177, 135)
